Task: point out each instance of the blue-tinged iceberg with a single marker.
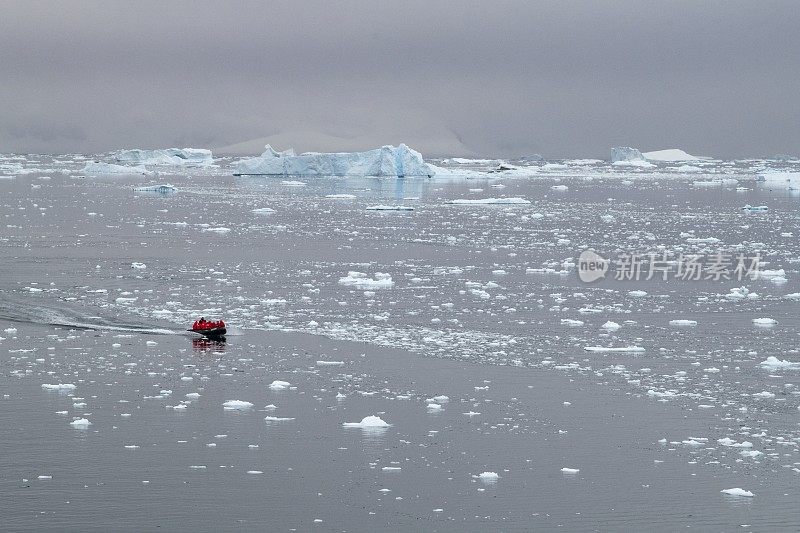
(187, 157)
(387, 161)
(626, 154)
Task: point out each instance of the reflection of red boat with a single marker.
(209, 328)
(203, 345)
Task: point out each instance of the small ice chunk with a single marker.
(80, 423)
(764, 322)
(682, 322)
(237, 405)
(736, 491)
(773, 363)
(490, 477)
(371, 421)
(59, 386)
(279, 385)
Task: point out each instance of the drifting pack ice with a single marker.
(388, 161)
(188, 157)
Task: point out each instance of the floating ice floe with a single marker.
(279, 385)
(717, 182)
(188, 157)
(96, 167)
(682, 322)
(785, 179)
(610, 326)
(340, 196)
(387, 161)
(736, 491)
(59, 386)
(277, 418)
(330, 363)
(237, 405)
(773, 363)
(263, 211)
(755, 208)
(764, 322)
(637, 294)
(80, 423)
(490, 201)
(775, 276)
(390, 208)
(619, 349)
(733, 444)
(488, 477)
(219, 229)
(361, 281)
(138, 266)
(570, 470)
(371, 421)
(164, 188)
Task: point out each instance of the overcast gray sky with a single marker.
(564, 79)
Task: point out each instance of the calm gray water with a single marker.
(98, 282)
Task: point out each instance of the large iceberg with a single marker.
(189, 157)
(671, 155)
(625, 156)
(625, 153)
(389, 161)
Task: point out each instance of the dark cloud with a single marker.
(492, 78)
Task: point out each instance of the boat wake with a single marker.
(22, 312)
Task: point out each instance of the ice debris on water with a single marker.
(736, 491)
(164, 188)
(371, 421)
(237, 405)
(383, 207)
(490, 201)
(361, 281)
(279, 385)
(682, 322)
(773, 363)
(764, 322)
(96, 167)
(59, 386)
